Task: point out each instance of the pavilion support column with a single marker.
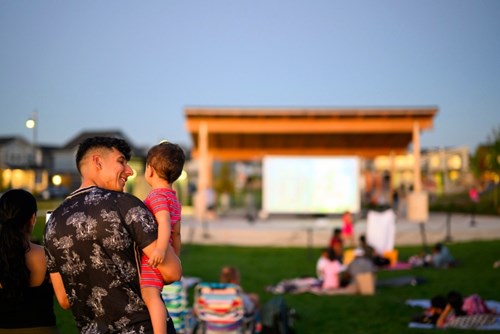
(203, 169)
(418, 205)
(210, 176)
(392, 171)
(417, 180)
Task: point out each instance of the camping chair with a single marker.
(219, 308)
(175, 298)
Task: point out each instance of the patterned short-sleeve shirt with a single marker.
(93, 239)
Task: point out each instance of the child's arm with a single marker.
(442, 318)
(176, 238)
(163, 219)
(59, 290)
(170, 268)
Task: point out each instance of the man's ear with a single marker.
(96, 160)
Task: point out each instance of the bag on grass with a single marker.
(474, 305)
(277, 317)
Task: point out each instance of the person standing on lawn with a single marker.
(26, 294)
(94, 239)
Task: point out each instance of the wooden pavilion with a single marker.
(235, 134)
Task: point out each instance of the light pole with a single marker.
(32, 123)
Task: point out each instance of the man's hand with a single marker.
(157, 257)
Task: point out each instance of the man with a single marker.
(361, 272)
(93, 242)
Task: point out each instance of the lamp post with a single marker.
(32, 123)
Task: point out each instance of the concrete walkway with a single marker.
(294, 231)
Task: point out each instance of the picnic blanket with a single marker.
(314, 285)
(401, 281)
(479, 321)
(296, 285)
(398, 266)
(363, 284)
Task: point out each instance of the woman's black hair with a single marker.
(17, 207)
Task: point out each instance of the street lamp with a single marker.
(32, 123)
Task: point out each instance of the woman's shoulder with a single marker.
(36, 262)
(36, 250)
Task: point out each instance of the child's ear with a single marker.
(149, 170)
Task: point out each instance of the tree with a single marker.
(486, 163)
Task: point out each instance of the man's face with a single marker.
(114, 170)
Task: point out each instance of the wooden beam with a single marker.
(244, 112)
(281, 126)
(258, 154)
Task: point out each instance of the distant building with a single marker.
(444, 170)
(51, 170)
(20, 166)
(43, 167)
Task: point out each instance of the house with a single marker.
(21, 165)
(46, 167)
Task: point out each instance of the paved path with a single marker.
(305, 232)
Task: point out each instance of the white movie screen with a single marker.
(310, 185)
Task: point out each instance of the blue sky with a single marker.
(135, 65)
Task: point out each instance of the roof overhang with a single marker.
(252, 133)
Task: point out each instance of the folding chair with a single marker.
(219, 308)
(175, 298)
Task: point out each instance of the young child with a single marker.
(164, 163)
(229, 274)
(432, 314)
(348, 228)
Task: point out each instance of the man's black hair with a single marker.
(102, 142)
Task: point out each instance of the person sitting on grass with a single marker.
(251, 301)
(370, 253)
(360, 265)
(441, 257)
(469, 312)
(337, 244)
(330, 271)
(432, 314)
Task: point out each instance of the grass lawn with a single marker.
(383, 313)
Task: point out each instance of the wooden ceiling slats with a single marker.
(247, 133)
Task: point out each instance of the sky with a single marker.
(135, 65)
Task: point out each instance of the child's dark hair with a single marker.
(456, 301)
(102, 142)
(331, 255)
(167, 159)
(438, 301)
(438, 247)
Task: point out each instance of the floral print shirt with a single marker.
(93, 239)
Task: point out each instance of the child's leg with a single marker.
(156, 308)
